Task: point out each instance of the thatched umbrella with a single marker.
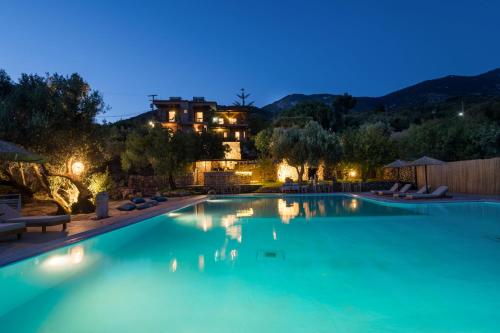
(397, 164)
(425, 161)
(13, 153)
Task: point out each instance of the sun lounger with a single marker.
(12, 229)
(392, 189)
(403, 189)
(13, 216)
(126, 207)
(438, 193)
(422, 190)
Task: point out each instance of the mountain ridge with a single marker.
(423, 93)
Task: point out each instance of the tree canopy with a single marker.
(169, 154)
(303, 146)
(53, 116)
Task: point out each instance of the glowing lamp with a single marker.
(353, 173)
(77, 168)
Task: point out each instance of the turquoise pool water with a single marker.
(290, 264)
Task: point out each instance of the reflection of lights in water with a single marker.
(201, 262)
(228, 220)
(244, 212)
(173, 265)
(204, 222)
(321, 208)
(234, 232)
(354, 204)
(275, 235)
(74, 256)
(233, 254)
(308, 211)
(286, 211)
(174, 214)
(218, 200)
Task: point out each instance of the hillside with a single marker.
(421, 94)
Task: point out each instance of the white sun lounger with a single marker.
(10, 215)
(422, 190)
(403, 189)
(438, 193)
(393, 189)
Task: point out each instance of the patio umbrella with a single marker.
(425, 161)
(397, 164)
(13, 153)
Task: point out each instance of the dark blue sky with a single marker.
(128, 49)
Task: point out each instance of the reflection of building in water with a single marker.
(308, 211)
(244, 212)
(234, 232)
(287, 211)
(228, 220)
(321, 208)
(204, 222)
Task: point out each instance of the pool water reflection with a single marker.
(327, 263)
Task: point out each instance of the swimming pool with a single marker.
(326, 263)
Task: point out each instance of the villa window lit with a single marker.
(237, 135)
(221, 121)
(171, 116)
(225, 134)
(199, 117)
(215, 120)
(232, 121)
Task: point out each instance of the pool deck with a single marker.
(82, 226)
(452, 197)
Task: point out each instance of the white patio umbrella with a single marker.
(425, 161)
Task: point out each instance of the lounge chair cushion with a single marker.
(4, 227)
(159, 198)
(144, 206)
(38, 221)
(138, 200)
(126, 207)
(438, 193)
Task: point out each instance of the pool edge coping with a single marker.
(78, 237)
(39, 249)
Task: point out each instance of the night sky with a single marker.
(128, 49)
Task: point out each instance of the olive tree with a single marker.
(299, 147)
